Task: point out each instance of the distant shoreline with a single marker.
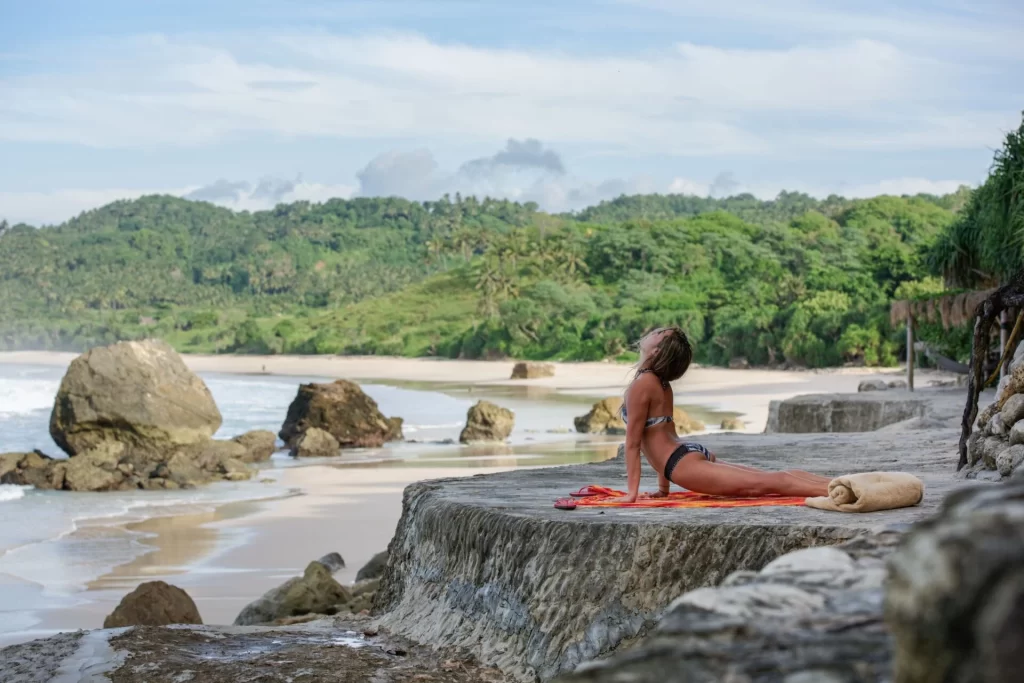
(746, 392)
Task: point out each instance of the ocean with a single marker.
(56, 539)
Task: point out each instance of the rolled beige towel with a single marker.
(870, 492)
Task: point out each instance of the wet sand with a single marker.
(227, 557)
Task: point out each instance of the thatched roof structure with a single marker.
(953, 310)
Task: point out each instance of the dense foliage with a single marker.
(794, 280)
(985, 245)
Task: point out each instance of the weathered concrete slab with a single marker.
(486, 563)
(864, 412)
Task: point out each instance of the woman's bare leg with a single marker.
(809, 476)
(695, 473)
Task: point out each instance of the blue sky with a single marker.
(561, 102)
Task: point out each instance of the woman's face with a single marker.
(649, 344)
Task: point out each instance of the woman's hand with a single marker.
(623, 499)
(655, 494)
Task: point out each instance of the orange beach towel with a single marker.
(600, 496)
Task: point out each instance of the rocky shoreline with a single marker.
(485, 580)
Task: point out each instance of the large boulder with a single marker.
(138, 394)
(605, 418)
(315, 443)
(154, 603)
(487, 422)
(342, 409)
(530, 370)
(955, 597)
(315, 592)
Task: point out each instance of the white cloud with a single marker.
(892, 186)
(690, 99)
(56, 206)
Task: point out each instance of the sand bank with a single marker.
(745, 392)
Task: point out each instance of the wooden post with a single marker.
(1004, 338)
(910, 351)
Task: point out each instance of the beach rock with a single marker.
(868, 412)
(374, 568)
(316, 443)
(897, 384)
(811, 616)
(986, 414)
(340, 408)
(604, 418)
(395, 429)
(9, 463)
(732, 424)
(873, 385)
(1016, 434)
(486, 422)
(96, 469)
(1012, 410)
(955, 600)
(259, 445)
(315, 592)
(739, 363)
(1008, 460)
(995, 426)
(684, 423)
(139, 394)
(32, 469)
(529, 370)
(154, 603)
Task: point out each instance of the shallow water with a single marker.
(62, 542)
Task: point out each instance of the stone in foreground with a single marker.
(955, 601)
(809, 616)
(531, 370)
(154, 603)
(342, 409)
(137, 394)
(326, 650)
(315, 592)
(487, 422)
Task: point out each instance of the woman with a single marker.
(665, 355)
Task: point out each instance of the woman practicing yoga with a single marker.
(665, 355)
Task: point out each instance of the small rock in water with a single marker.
(154, 603)
(732, 424)
(487, 422)
(316, 443)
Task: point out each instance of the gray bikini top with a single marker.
(651, 421)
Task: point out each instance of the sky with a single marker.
(562, 102)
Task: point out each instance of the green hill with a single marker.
(793, 280)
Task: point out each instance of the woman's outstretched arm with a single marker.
(638, 403)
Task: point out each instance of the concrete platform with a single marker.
(488, 564)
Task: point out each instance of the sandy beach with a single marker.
(746, 393)
(228, 555)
